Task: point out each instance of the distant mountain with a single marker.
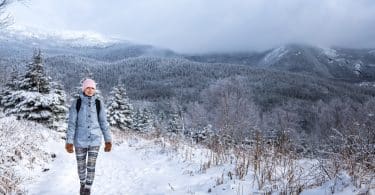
(353, 65)
(20, 45)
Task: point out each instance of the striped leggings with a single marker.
(91, 153)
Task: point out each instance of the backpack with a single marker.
(97, 103)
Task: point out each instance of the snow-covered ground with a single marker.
(329, 52)
(367, 84)
(136, 166)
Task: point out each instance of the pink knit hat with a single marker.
(88, 83)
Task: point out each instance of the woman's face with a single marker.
(89, 91)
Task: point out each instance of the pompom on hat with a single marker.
(88, 83)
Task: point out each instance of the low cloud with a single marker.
(195, 26)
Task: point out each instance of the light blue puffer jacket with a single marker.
(86, 129)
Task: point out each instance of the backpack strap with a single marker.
(78, 105)
(97, 103)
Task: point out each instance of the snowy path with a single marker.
(132, 170)
(141, 167)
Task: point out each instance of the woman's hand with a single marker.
(69, 148)
(107, 147)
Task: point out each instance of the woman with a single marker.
(87, 123)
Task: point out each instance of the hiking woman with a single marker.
(87, 123)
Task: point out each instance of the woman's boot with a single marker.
(82, 189)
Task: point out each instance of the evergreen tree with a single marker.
(160, 122)
(146, 119)
(137, 126)
(58, 107)
(32, 97)
(175, 123)
(11, 85)
(142, 120)
(36, 78)
(14, 79)
(120, 111)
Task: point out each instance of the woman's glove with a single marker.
(69, 148)
(107, 147)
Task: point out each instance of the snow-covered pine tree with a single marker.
(175, 123)
(11, 85)
(137, 120)
(120, 111)
(35, 78)
(14, 79)
(32, 97)
(142, 120)
(58, 107)
(160, 122)
(146, 119)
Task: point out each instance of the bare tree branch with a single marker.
(5, 18)
(3, 3)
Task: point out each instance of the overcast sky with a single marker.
(210, 25)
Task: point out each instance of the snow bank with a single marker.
(22, 155)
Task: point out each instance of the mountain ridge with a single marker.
(153, 73)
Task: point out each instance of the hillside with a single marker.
(353, 65)
(154, 78)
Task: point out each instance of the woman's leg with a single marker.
(91, 162)
(81, 154)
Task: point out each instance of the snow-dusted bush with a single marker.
(352, 154)
(202, 134)
(20, 151)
